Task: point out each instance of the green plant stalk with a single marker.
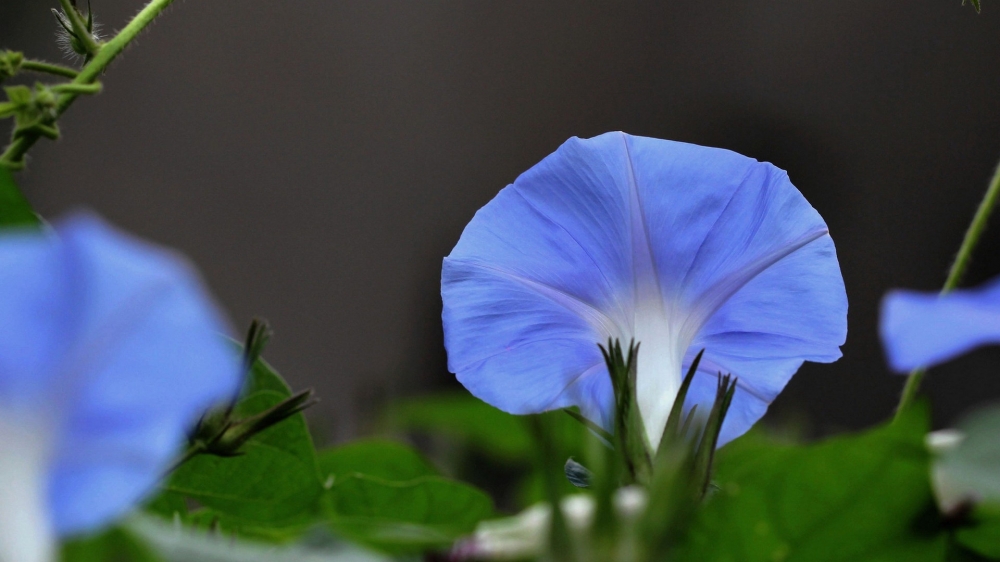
(49, 68)
(955, 274)
(14, 155)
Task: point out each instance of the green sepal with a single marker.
(596, 429)
(222, 432)
(674, 496)
(274, 479)
(262, 478)
(674, 430)
(705, 453)
(238, 432)
(630, 431)
(975, 4)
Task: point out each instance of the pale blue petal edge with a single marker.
(924, 329)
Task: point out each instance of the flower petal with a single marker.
(539, 278)
(151, 357)
(514, 343)
(923, 329)
(33, 323)
(125, 350)
(794, 311)
(750, 267)
(629, 237)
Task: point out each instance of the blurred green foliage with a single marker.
(468, 438)
(858, 497)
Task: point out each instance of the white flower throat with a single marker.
(660, 358)
(26, 533)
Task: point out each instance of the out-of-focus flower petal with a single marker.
(116, 347)
(966, 466)
(675, 245)
(923, 329)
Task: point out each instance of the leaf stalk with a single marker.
(955, 275)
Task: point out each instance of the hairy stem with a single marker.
(13, 157)
(955, 274)
(49, 68)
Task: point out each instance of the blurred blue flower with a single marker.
(678, 246)
(923, 329)
(109, 350)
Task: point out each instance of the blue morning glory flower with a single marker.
(109, 350)
(923, 329)
(678, 246)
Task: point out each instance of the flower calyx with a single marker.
(223, 433)
(77, 34)
(235, 433)
(689, 439)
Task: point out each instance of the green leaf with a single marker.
(175, 544)
(19, 95)
(274, 482)
(167, 504)
(405, 517)
(861, 497)
(983, 534)
(263, 377)
(470, 430)
(14, 208)
(114, 545)
(475, 425)
(380, 458)
(467, 420)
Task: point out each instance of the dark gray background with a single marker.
(317, 158)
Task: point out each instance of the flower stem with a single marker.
(955, 274)
(13, 157)
(49, 68)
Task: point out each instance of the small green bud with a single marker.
(10, 64)
(236, 434)
(34, 110)
(45, 98)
